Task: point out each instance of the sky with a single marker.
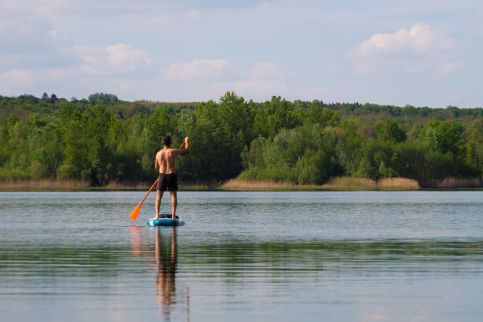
(412, 52)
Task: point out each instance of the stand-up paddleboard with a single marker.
(165, 220)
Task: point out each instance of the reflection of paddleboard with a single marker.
(165, 220)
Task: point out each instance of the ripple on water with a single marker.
(275, 256)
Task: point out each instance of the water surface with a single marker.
(257, 256)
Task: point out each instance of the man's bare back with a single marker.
(166, 158)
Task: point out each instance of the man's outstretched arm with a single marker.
(185, 146)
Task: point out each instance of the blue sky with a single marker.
(423, 53)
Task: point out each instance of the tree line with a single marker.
(103, 139)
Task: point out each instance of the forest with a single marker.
(102, 139)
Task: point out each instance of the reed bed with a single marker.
(116, 186)
(184, 186)
(79, 185)
(336, 183)
(350, 183)
(461, 183)
(454, 183)
(43, 185)
(236, 184)
(199, 186)
(398, 183)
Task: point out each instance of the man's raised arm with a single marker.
(185, 146)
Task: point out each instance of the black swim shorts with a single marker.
(167, 182)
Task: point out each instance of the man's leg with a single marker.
(174, 203)
(157, 204)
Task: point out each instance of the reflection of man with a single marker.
(165, 163)
(165, 250)
(166, 259)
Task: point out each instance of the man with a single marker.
(165, 163)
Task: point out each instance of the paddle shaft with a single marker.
(147, 193)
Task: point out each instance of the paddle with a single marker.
(135, 212)
(137, 209)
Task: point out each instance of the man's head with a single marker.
(167, 141)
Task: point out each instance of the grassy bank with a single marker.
(185, 186)
(351, 183)
(337, 183)
(44, 185)
(80, 185)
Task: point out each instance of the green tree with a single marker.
(444, 137)
(273, 116)
(389, 131)
(103, 98)
(313, 168)
(75, 163)
(96, 121)
(104, 139)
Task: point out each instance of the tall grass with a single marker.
(77, 185)
(239, 184)
(350, 183)
(453, 183)
(41, 185)
(398, 183)
(115, 185)
(337, 183)
(130, 186)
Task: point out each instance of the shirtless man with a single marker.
(166, 165)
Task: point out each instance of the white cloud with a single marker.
(38, 38)
(37, 54)
(419, 38)
(264, 80)
(196, 69)
(415, 50)
(118, 58)
(116, 68)
(260, 81)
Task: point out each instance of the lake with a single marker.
(243, 256)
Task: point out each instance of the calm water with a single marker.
(264, 256)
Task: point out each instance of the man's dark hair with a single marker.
(167, 140)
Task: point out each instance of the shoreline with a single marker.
(334, 184)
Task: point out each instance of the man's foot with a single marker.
(154, 218)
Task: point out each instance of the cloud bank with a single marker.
(116, 58)
(415, 50)
(192, 50)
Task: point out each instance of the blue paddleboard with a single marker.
(165, 220)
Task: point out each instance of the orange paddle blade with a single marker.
(135, 212)
(137, 209)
